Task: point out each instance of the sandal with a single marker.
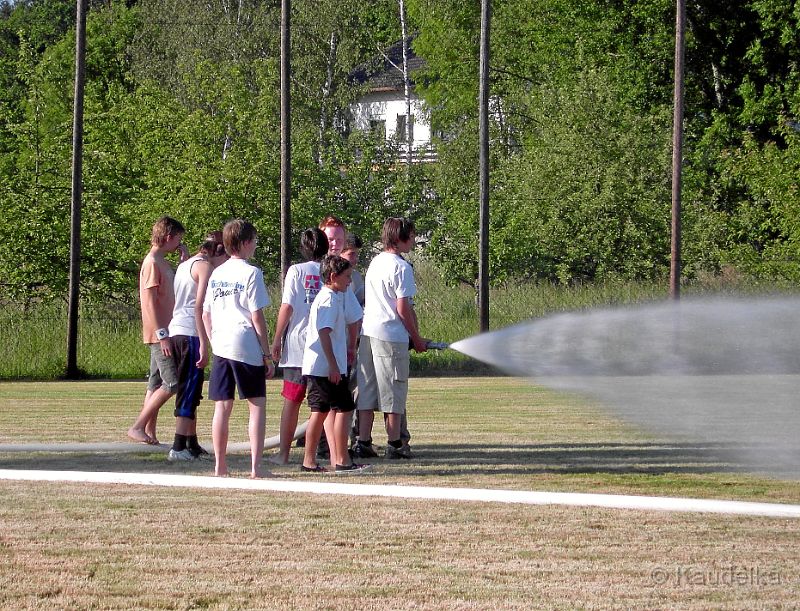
(314, 469)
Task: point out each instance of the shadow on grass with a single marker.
(589, 458)
(431, 461)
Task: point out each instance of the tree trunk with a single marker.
(327, 91)
(406, 86)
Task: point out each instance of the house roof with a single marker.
(384, 72)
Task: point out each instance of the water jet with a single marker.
(723, 371)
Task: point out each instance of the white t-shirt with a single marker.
(183, 322)
(235, 290)
(389, 278)
(326, 312)
(300, 288)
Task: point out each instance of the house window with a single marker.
(401, 128)
(377, 127)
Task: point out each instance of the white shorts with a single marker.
(383, 375)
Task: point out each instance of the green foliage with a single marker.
(581, 96)
(36, 189)
(181, 117)
(580, 187)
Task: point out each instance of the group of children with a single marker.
(217, 298)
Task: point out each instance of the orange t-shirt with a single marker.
(157, 276)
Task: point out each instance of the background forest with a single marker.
(182, 118)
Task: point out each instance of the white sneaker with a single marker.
(183, 455)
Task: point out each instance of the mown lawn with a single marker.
(104, 546)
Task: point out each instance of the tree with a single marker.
(182, 118)
(570, 200)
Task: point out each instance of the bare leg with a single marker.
(291, 409)
(153, 400)
(366, 417)
(393, 426)
(185, 426)
(255, 429)
(314, 430)
(341, 428)
(150, 427)
(405, 435)
(353, 426)
(330, 435)
(138, 433)
(219, 435)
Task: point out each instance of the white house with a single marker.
(382, 108)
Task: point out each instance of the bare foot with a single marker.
(220, 473)
(277, 459)
(152, 436)
(139, 435)
(259, 474)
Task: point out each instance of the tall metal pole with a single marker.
(483, 126)
(77, 193)
(286, 140)
(677, 153)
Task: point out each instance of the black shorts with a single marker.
(227, 375)
(324, 396)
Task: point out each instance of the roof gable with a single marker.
(384, 72)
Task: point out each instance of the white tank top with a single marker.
(183, 322)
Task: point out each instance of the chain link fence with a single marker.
(109, 345)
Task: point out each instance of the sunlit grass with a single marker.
(101, 546)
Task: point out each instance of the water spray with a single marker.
(725, 371)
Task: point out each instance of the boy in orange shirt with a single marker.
(157, 301)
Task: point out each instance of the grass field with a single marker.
(83, 546)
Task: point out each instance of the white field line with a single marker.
(571, 499)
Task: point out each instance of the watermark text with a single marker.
(731, 575)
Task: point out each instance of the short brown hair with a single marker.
(236, 233)
(395, 230)
(165, 227)
(332, 264)
(212, 245)
(352, 241)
